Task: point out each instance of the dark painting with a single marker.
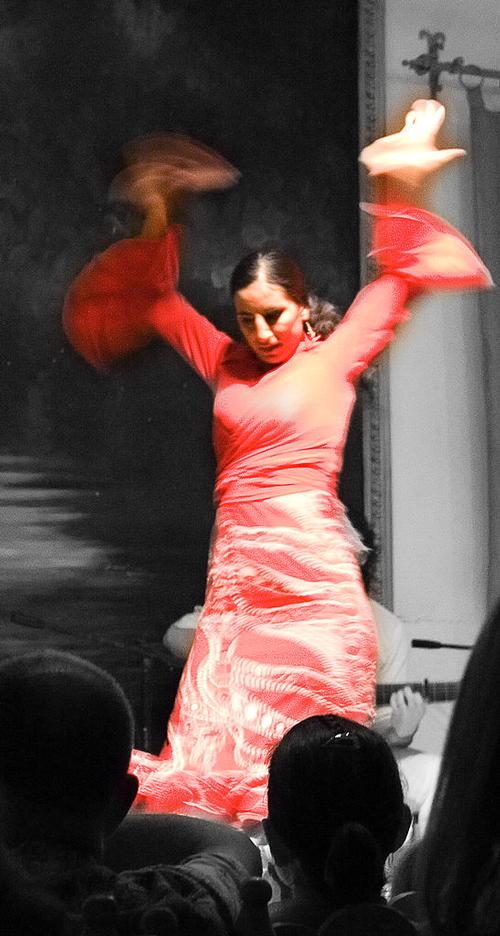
(106, 479)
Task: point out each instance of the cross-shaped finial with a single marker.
(428, 62)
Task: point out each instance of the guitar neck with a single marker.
(432, 691)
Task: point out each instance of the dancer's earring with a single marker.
(309, 330)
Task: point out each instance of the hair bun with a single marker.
(324, 316)
(354, 869)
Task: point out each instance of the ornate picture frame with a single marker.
(376, 387)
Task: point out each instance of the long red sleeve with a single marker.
(369, 325)
(107, 307)
(191, 334)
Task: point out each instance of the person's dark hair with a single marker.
(367, 918)
(280, 270)
(458, 866)
(336, 801)
(26, 910)
(66, 730)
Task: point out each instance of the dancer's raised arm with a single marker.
(414, 249)
(127, 294)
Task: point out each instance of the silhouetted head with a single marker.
(335, 806)
(273, 305)
(458, 867)
(66, 733)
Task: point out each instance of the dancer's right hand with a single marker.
(163, 165)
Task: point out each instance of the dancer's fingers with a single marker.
(410, 165)
(144, 184)
(411, 154)
(194, 164)
(426, 114)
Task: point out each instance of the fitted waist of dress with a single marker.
(241, 483)
(282, 506)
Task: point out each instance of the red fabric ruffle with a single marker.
(107, 308)
(233, 796)
(424, 249)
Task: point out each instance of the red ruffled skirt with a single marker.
(286, 632)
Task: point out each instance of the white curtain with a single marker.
(485, 151)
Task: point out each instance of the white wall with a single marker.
(437, 405)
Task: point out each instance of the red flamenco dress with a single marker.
(286, 631)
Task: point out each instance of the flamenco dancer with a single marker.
(286, 630)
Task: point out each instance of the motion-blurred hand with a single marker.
(163, 164)
(412, 153)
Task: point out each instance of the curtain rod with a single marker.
(429, 63)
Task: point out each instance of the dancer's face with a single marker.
(271, 323)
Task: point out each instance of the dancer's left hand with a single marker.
(411, 153)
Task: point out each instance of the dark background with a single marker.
(117, 470)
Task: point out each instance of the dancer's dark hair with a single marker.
(458, 870)
(336, 801)
(281, 270)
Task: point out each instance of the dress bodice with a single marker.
(280, 430)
